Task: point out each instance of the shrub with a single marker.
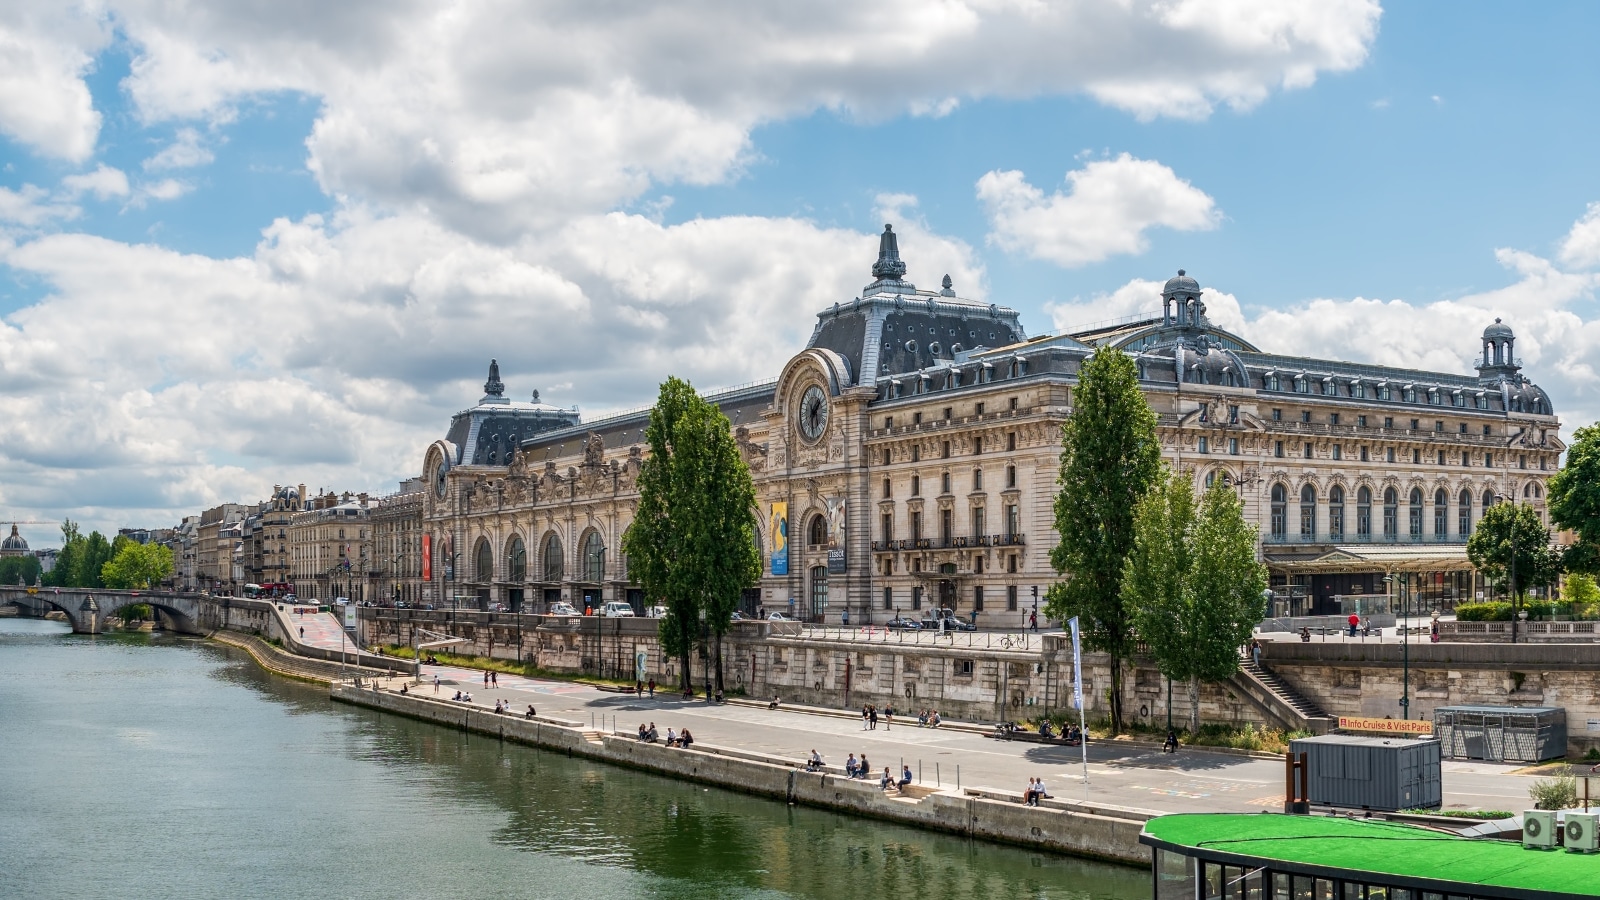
(1488, 611)
(1592, 755)
(1559, 792)
(1539, 608)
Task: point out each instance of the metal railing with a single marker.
(1021, 641)
(956, 543)
(1349, 537)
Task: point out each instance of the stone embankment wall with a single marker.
(1060, 826)
(966, 676)
(1352, 679)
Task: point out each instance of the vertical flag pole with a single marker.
(1077, 697)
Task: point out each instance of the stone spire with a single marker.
(949, 288)
(888, 265)
(494, 387)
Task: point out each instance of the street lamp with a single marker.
(1405, 637)
(1498, 498)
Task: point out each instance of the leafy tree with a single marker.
(1508, 527)
(20, 570)
(1581, 591)
(96, 553)
(1193, 583)
(1575, 500)
(1109, 460)
(137, 566)
(61, 574)
(691, 544)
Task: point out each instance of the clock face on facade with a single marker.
(438, 479)
(813, 412)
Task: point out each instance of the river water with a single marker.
(136, 766)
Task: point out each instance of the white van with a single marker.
(617, 610)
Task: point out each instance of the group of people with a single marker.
(649, 735)
(462, 698)
(639, 688)
(869, 717)
(854, 768)
(928, 718)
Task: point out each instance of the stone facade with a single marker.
(330, 545)
(396, 572)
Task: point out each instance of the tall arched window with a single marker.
(594, 558)
(1308, 511)
(1336, 511)
(1364, 511)
(1441, 513)
(1464, 516)
(1280, 510)
(817, 531)
(485, 555)
(819, 591)
(1391, 513)
(554, 562)
(516, 560)
(1414, 520)
(1488, 499)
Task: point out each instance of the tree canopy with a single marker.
(81, 558)
(1574, 498)
(1193, 583)
(1508, 527)
(1109, 460)
(137, 566)
(692, 542)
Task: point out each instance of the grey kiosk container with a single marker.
(1381, 773)
(1512, 733)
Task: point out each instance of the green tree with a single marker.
(1109, 460)
(86, 569)
(137, 566)
(1508, 527)
(1581, 591)
(691, 545)
(20, 570)
(1193, 583)
(61, 574)
(1575, 499)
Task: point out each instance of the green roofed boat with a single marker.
(1270, 856)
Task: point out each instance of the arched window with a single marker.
(1441, 513)
(1336, 511)
(819, 591)
(817, 531)
(1391, 513)
(485, 556)
(1488, 499)
(1364, 511)
(594, 558)
(1414, 520)
(1308, 511)
(1464, 516)
(1280, 510)
(554, 562)
(516, 560)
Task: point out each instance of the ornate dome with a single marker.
(1497, 330)
(14, 542)
(1181, 284)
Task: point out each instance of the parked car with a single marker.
(656, 612)
(899, 623)
(617, 610)
(780, 617)
(737, 616)
(563, 608)
(931, 619)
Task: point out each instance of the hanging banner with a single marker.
(837, 563)
(1385, 726)
(1077, 665)
(427, 557)
(779, 529)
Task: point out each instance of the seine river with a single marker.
(136, 766)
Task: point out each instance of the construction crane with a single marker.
(26, 522)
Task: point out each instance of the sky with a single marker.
(249, 243)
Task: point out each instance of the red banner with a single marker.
(427, 557)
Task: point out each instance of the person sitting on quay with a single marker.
(933, 719)
(405, 688)
(922, 718)
(886, 780)
(672, 738)
(905, 775)
(457, 697)
(644, 734)
(814, 764)
(499, 707)
(865, 766)
(1030, 796)
(850, 767)
(685, 739)
(719, 696)
(1039, 792)
(467, 697)
(1170, 745)
(531, 713)
(774, 703)
(651, 736)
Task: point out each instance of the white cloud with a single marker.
(1109, 206)
(185, 152)
(165, 189)
(31, 206)
(1581, 249)
(104, 182)
(45, 51)
(1138, 298)
(499, 117)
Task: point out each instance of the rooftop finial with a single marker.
(536, 395)
(949, 288)
(888, 264)
(494, 387)
(1182, 272)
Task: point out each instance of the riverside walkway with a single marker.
(1119, 773)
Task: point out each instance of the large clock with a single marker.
(813, 412)
(438, 479)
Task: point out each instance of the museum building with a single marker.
(907, 458)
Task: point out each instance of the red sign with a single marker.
(427, 557)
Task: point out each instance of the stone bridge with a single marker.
(88, 608)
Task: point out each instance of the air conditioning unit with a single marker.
(1583, 832)
(1539, 828)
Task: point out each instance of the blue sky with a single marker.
(272, 245)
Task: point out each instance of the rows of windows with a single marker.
(1307, 450)
(1329, 386)
(979, 444)
(817, 532)
(945, 483)
(914, 597)
(1412, 513)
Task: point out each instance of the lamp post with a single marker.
(1405, 637)
(1500, 498)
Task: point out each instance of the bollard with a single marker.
(919, 771)
(958, 776)
(937, 781)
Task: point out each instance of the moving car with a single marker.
(562, 609)
(616, 609)
(899, 623)
(780, 617)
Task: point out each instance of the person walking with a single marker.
(652, 689)
(1255, 651)
(436, 684)
(872, 717)
(864, 721)
(494, 678)
(302, 632)
(1033, 620)
(888, 717)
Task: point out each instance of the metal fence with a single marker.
(868, 634)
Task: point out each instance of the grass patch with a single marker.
(1485, 814)
(509, 667)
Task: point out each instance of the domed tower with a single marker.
(14, 545)
(1180, 302)
(1498, 358)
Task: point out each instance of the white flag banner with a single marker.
(1077, 665)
